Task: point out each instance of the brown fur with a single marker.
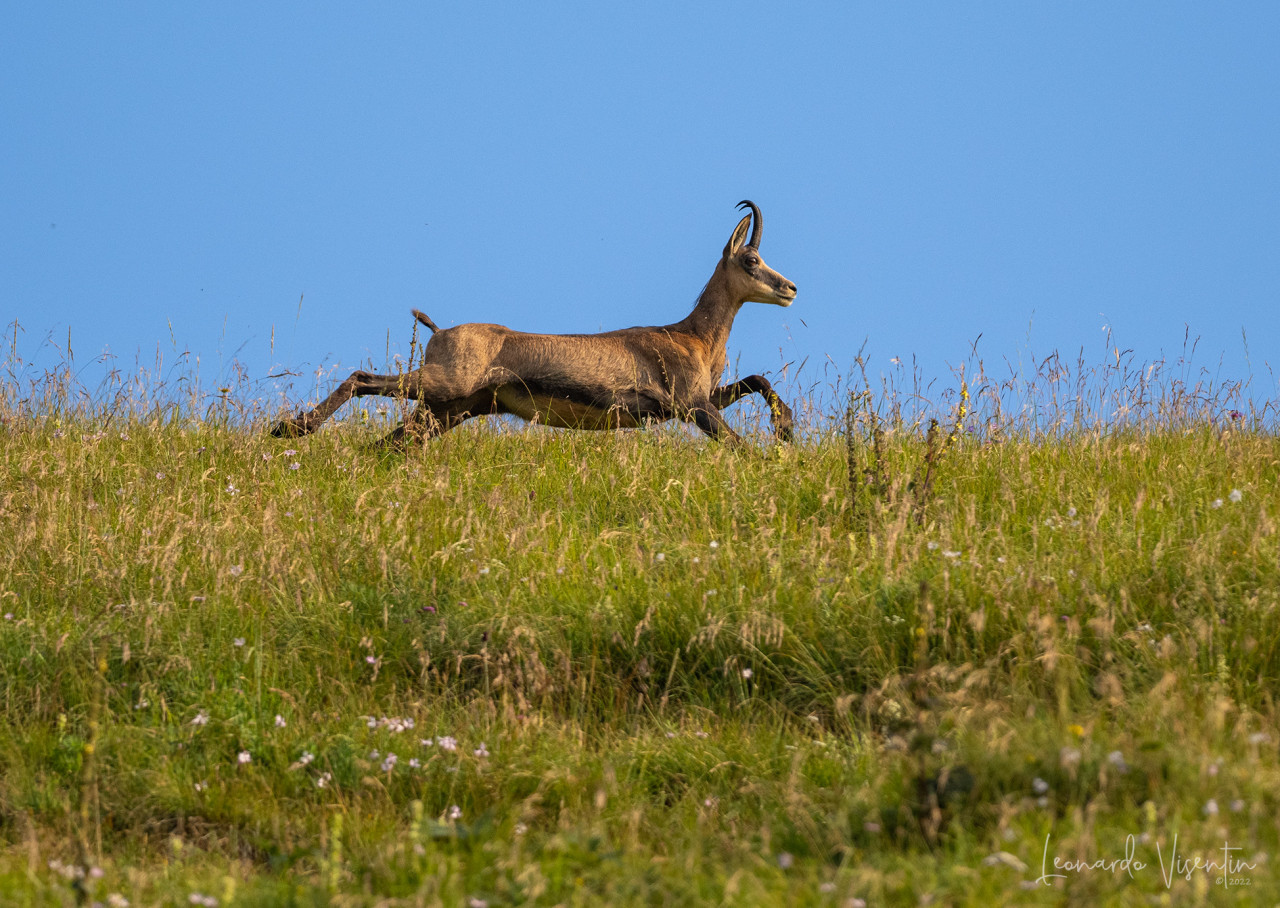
(617, 379)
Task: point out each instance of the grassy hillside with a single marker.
(525, 667)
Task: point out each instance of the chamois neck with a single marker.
(712, 317)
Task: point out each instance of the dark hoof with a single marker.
(286, 428)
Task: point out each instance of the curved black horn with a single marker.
(757, 225)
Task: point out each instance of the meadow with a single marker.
(1033, 660)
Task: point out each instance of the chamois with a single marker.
(617, 379)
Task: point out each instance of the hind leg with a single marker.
(431, 418)
(358, 384)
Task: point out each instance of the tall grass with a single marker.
(526, 666)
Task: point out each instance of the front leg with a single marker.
(779, 412)
(710, 420)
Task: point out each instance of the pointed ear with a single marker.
(739, 237)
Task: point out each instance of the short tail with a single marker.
(422, 317)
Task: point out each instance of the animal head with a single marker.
(750, 279)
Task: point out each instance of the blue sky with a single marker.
(177, 176)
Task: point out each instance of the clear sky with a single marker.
(178, 176)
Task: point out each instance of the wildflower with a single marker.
(484, 570)
(231, 489)
(932, 546)
(159, 476)
(700, 734)
(1039, 786)
(290, 452)
(371, 659)
(455, 812)
(448, 742)
(1237, 805)
(307, 757)
(1259, 737)
(747, 673)
(414, 762)
(1210, 808)
(785, 860)
(1071, 512)
(1235, 496)
(481, 751)
(950, 554)
(239, 641)
(429, 609)
(235, 570)
(244, 757)
(201, 786)
(280, 722)
(714, 544)
(324, 779)
(116, 900)
(521, 829)
(295, 465)
(660, 557)
(1069, 756)
(142, 704)
(8, 616)
(1216, 503)
(827, 887)
(390, 762)
(474, 902)
(202, 718)
(1116, 759)
(266, 456)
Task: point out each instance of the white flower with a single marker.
(324, 779)
(947, 553)
(660, 557)
(455, 812)
(390, 762)
(244, 757)
(295, 465)
(116, 900)
(280, 722)
(1216, 503)
(414, 762)
(1039, 786)
(1210, 808)
(236, 570)
(481, 751)
(159, 476)
(238, 641)
(714, 544)
(231, 488)
(447, 743)
(932, 546)
(1235, 496)
(290, 452)
(1116, 759)
(201, 786)
(785, 860)
(747, 673)
(202, 718)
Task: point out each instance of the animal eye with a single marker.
(750, 261)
